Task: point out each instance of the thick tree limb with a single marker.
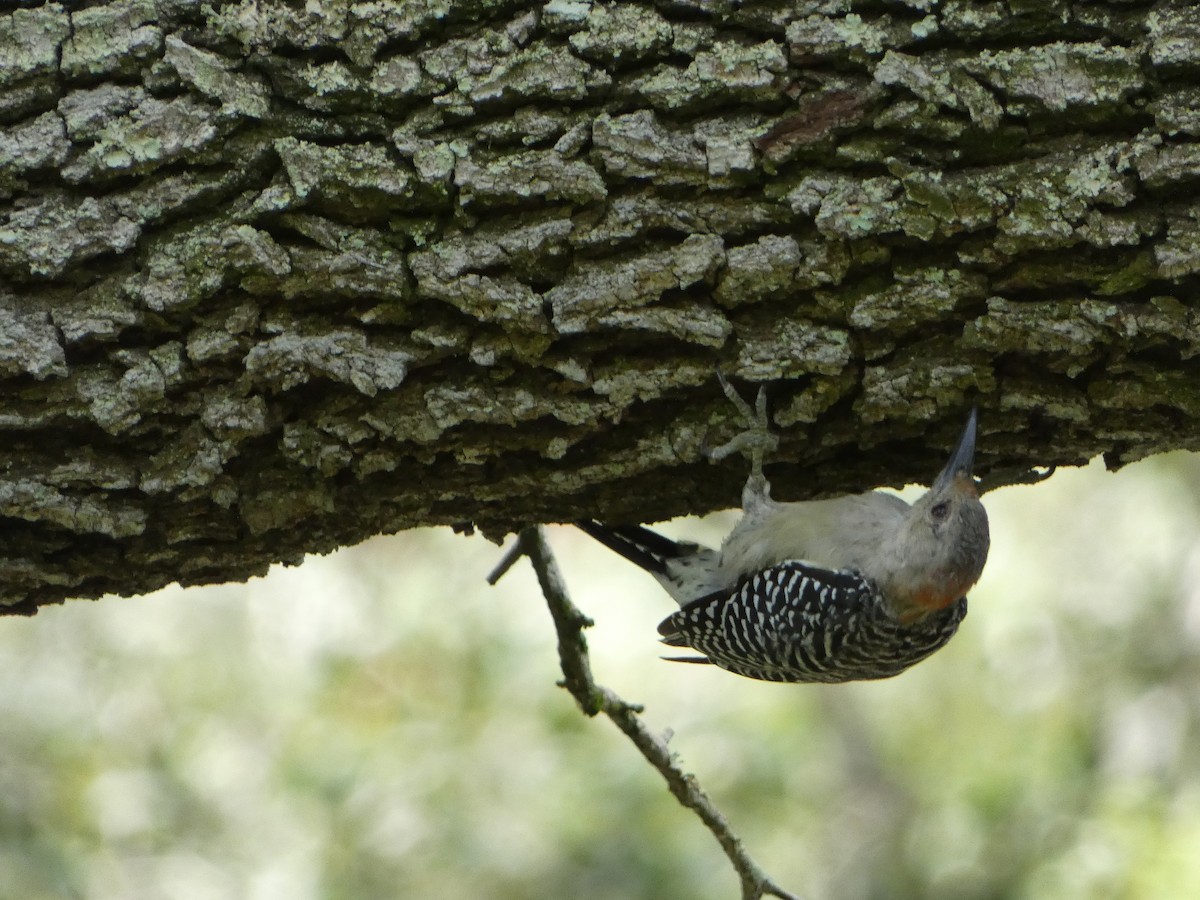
(594, 698)
(275, 277)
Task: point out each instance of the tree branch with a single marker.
(594, 698)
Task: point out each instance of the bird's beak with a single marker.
(962, 460)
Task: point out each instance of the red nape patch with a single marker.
(966, 486)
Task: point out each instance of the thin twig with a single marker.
(507, 561)
(593, 698)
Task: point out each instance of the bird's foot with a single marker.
(756, 440)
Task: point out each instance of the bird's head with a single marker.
(944, 541)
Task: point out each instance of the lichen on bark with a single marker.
(276, 277)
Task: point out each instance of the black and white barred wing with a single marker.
(798, 622)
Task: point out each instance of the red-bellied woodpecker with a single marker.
(851, 588)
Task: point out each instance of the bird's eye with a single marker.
(940, 510)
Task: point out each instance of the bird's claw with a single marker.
(756, 440)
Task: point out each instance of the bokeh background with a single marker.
(379, 723)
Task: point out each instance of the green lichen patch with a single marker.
(1131, 275)
(920, 121)
(1060, 76)
(401, 78)
(29, 43)
(213, 76)
(515, 243)
(1051, 272)
(500, 73)
(86, 112)
(1177, 112)
(465, 58)
(190, 190)
(537, 247)
(1122, 228)
(1163, 322)
(727, 71)
(759, 271)
(284, 503)
(478, 401)
(486, 273)
(312, 448)
(112, 38)
(974, 18)
(356, 181)
(621, 33)
(939, 204)
(524, 176)
(494, 348)
(372, 25)
(941, 79)
(565, 16)
(208, 344)
(1174, 165)
(564, 128)
(824, 263)
(777, 265)
(728, 143)
(432, 164)
(151, 135)
(1178, 254)
(46, 237)
(192, 264)
(822, 35)
(1034, 204)
(329, 86)
(849, 207)
(1041, 219)
(1174, 31)
(260, 27)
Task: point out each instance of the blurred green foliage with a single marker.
(380, 724)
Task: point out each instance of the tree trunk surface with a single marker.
(276, 277)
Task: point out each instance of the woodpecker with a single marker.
(853, 588)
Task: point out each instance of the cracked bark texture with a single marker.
(275, 277)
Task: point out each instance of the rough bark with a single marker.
(275, 276)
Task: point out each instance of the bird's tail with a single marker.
(684, 569)
(641, 546)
